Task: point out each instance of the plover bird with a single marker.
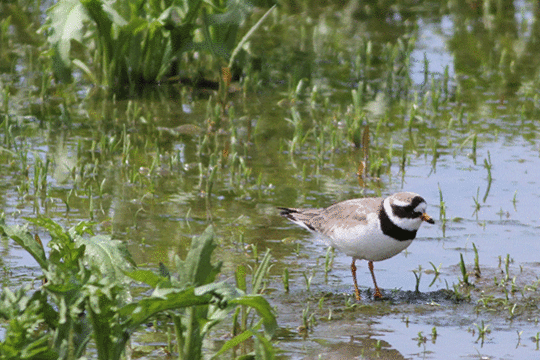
(371, 229)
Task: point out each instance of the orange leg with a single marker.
(377, 294)
(353, 270)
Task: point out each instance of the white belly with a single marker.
(365, 242)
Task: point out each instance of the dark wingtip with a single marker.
(288, 213)
(285, 211)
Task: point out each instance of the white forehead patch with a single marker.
(421, 207)
(401, 203)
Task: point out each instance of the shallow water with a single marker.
(155, 197)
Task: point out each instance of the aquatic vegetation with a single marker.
(418, 275)
(436, 271)
(438, 102)
(464, 274)
(477, 271)
(285, 278)
(483, 330)
(140, 43)
(328, 261)
(85, 296)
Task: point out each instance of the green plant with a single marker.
(474, 146)
(142, 41)
(285, 279)
(192, 323)
(421, 339)
(63, 308)
(477, 271)
(483, 330)
(507, 262)
(328, 261)
(258, 284)
(308, 320)
(476, 200)
(442, 210)
(488, 165)
(436, 271)
(85, 296)
(464, 274)
(296, 122)
(308, 279)
(418, 275)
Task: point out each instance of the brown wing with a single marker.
(349, 213)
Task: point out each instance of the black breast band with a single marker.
(392, 230)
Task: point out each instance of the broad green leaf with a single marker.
(27, 241)
(51, 226)
(83, 227)
(197, 268)
(263, 348)
(150, 278)
(222, 293)
(234, 342)
(240, 276)
(39, 349)
(68, 289)
(85, 69)
(95, 10)
(109, 256)
(263, 309)
(111, 13)
(65, 22)
(248, 35)
(169, 299)
(261, 272)
(65, 19)
(25, 315)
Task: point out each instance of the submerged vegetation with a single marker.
(213, 113)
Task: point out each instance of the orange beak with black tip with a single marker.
(425, 217)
